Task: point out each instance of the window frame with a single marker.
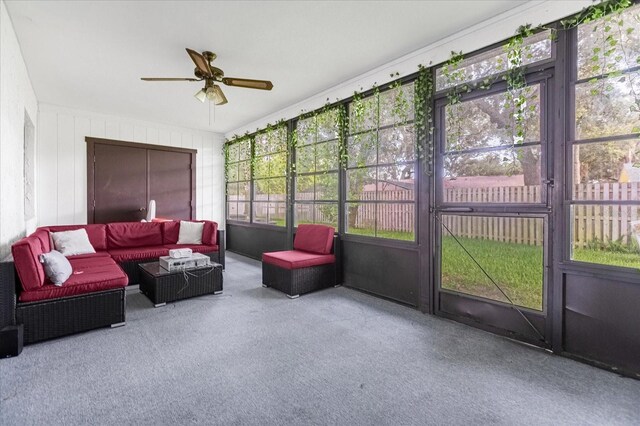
(497, 77)
(285, 177)
(345, 168)
(572, 81)
(248, 160)
(533, 76)
(295, 202)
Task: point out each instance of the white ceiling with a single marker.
(90, 55)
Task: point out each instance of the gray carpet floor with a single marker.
(252, 356)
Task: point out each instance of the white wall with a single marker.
(473, 38)
(62, 160)
(16, 98)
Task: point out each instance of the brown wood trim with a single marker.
(91, 194)
(90, 140)
(194, 184)
(147, 189)
(91, 169)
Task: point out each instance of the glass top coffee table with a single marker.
(162, 286)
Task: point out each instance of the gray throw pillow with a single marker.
(56, 266)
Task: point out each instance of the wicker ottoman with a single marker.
(162, 286)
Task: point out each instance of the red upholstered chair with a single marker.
(310, 266)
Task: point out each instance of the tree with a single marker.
(488, 123)
(382, 133)
(609, 103)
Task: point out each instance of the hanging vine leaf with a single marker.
(423, 100)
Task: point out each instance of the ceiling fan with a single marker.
(212, 75)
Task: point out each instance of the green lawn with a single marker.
(629, 260)
(516, 268)
(393, 235)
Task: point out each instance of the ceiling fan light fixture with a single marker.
(215, 95)
(201, 95)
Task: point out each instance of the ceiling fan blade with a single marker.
(168, 79)
(248, 83)
(221, 99)
(200, 62)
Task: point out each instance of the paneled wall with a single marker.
(62, 160)
(252, 241)
(17, 100)
(601, 319)
(394, 273)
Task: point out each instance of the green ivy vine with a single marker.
(423, 104)
(358, 110)
(513, 69)
(400, 107)
(454, 76)
(343, 122)
(516, 95)
(595, 12)
(607, 57)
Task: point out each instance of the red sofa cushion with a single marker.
(26, 257)
(196, 248)
(88, 255)
(97, 233)
(138, 253)
(171, 232)
(42, 234)
(295, 259)
(89, 275)
(314, 238)
(123, 235)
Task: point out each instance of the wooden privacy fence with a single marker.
(497, 194)
(269, 207)
(604, 223)
(589, 222)
(390, 216)
(518, 230)
(316, 213)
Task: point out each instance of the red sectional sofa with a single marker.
(94, 295)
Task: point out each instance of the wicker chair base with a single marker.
(294, 282)
(53, 318)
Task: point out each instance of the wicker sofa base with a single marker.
(294, 282)
(53, 318)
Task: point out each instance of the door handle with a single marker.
(456, 210)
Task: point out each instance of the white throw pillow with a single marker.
(71, 243)
(190, 232)
(56, 266)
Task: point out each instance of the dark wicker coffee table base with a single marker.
(53, 318)
(172, 287)
(294, 282)
(131, 268)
